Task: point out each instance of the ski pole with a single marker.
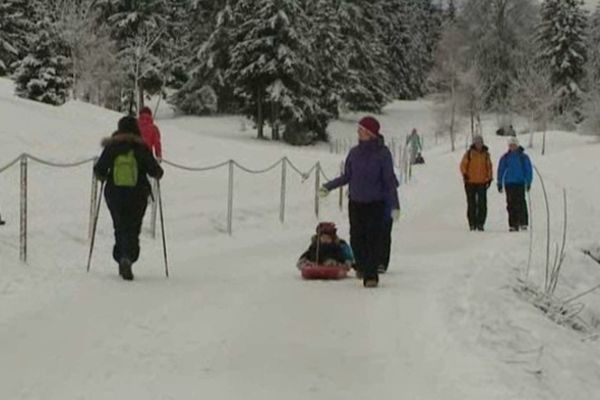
(162, 227)
(95, 225)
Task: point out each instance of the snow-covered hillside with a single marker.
(235, 321)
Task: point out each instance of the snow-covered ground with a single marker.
(235, 321)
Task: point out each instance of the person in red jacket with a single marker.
(150, 132)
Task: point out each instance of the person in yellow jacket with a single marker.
(477, 172)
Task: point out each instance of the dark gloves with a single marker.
(488, 184)
(500, 190)
(465, 178)
(528, 187)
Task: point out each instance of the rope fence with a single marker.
(232, 165)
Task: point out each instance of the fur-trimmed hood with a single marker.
(119, 137)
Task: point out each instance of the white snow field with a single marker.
(235, 321)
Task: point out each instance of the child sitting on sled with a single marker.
(326, 248)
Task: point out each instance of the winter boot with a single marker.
(480, 228)
(513, 229)
(125, 269)
(371, 282)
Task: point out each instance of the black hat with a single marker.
(129, 124)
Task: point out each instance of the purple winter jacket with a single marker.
(369, 170)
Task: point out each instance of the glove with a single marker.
(323, 192)
(500, 190)
(465, 178)
(396, 214)
(488, 184)
(528, 187)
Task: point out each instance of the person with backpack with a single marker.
(150, 132)
(515, 175)
(124, 165)
(477, 173)
(369, 172)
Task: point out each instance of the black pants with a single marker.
(516, 205)
(127, 208)
(366, 226)
(476, 204)
(386, 242)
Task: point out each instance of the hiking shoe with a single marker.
(513, 229)
(125, 269)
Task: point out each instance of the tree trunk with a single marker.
(259, 115)
(140, 96)
(275, 121)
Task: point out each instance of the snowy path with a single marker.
(252, 329)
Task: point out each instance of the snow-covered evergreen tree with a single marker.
(210, 67)
(270, 66)
(17, 19)
(593, 63)
(369, 85)
(562, 42)
(499, 34)
(329, 61)
(45, 73)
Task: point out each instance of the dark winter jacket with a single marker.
(120, 144)
(369, 171)
(515, 168)
(338, 251)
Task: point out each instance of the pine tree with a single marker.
(593, 38)
(329, 61)
(17, 18)
(45, 73)
(270, 66)
(141, 29)
(561, 39)
(210, 65)
(369, 84)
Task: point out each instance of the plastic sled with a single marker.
(318, 271)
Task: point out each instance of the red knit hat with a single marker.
(370, 124)
(146, 110)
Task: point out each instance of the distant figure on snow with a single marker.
(414, 146)
(124, 164)
(515, 175)
(150, 132)
(477, 172)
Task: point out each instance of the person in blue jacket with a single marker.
(515, 175)
(369, 172)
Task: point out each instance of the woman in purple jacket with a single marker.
(369, 172)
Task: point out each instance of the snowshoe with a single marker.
(125, 269)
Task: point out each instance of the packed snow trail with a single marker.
(240, 323)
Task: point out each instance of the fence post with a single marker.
(317, 187)
(230, 199)
(93, 200)
(154, 209)
(342, 188)
(23, 210)
(283, 190)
